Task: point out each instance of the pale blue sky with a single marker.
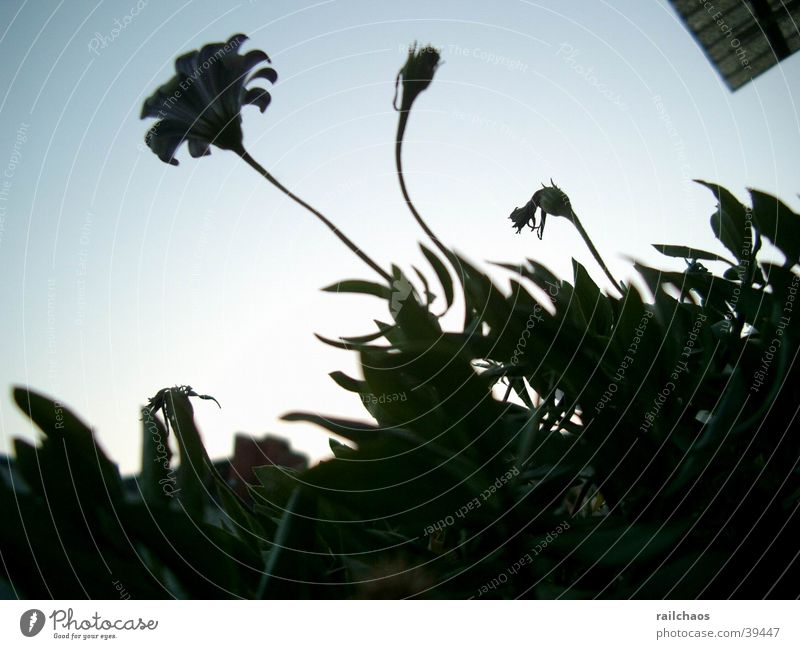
(122, 275)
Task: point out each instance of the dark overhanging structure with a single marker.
(743, 38)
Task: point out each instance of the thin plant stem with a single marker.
(398, 158)
(576, 221)
(342, 237)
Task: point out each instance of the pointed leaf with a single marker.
(360, 286)
(155, 479)
(778, 223)
(348, 383)
(441, 273)
(729, 223)
(193, 472)
(87, 460)
(688, 253)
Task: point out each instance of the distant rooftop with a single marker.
(743, 38)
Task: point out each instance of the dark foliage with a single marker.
(562, 442)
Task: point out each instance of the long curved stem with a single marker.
(398, 158)
(342, 237)
(577, 223)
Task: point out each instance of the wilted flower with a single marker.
(525, 215)
(551, 200)
(202, 103)
(416, 75)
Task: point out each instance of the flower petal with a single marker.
(198, 148)
(522, 216)
(152, 106)
(258, 97)
(264, 73)
(202, 102)
(235, 42)
(252, 59)
(186, 64)
(164, 146)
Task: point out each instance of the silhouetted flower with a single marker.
(551, 200)
(202, 103)
(525, 215)
(416, 75)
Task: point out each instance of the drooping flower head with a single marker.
(202, 103)
(551, 200)
(416, 75)
(522, 216)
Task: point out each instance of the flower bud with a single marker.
(416, 75)
(552, 201)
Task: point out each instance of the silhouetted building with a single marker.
(249, 452)
(237, 470)
(743, 38)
